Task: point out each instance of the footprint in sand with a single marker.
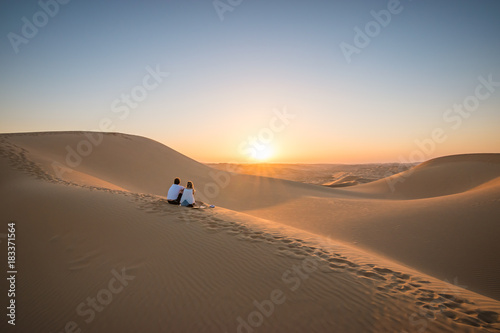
(449, 314)
(452, 305)
(400, 275)
(291, 254)
(404, 288)
(330, 269)
(426, 299)
(489, 317)
(382, 270)
(372, 275)
(455, 299)
(256, 237)
(343, 261)
(471, 321)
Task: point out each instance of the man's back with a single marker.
(173, 191)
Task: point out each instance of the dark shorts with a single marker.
(176, 201)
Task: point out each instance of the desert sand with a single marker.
(100, 250)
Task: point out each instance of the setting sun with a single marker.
(264, 154)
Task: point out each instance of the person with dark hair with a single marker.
(175, 192)
(187, 198)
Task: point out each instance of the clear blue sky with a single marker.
(227, 76)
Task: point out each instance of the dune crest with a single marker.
(344, 253)
(438, 177)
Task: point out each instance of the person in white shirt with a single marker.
(175, 192)
(187, 198)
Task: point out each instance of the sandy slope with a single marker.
(202, 270)
(438, 177)
(454, 214)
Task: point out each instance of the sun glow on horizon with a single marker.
(263, 154)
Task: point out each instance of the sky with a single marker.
(284, 81)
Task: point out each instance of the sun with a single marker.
(264, 153)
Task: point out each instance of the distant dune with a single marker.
(441, 176)
(332, 175)
(345, 181)
(413, 252)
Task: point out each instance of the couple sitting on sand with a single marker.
(177, 194)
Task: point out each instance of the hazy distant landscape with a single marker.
(331, 175)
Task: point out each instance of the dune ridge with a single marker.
(114, 219)
(438, 177)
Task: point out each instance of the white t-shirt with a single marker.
(188, 196)
(173, 192)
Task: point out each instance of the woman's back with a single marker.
(187, 197)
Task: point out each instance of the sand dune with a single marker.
(319, 174)
(345, 181)
(438, 177)
(277, 256)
